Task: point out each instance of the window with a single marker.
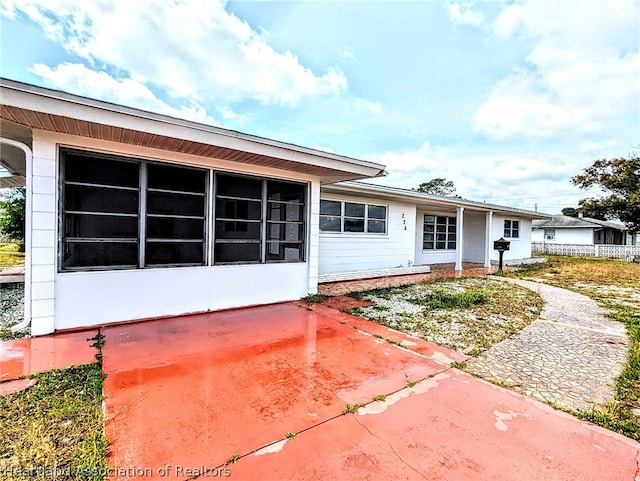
(103, 205)
(549, 234)
(258, 220)
(512, 229)
(439, 233)
(336, 216)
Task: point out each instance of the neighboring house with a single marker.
(133, 215)
(562, 229)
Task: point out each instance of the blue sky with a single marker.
(507, 99)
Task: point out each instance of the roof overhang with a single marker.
(424, 201)
(25, 106)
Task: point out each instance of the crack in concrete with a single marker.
(636, 476)
(392, 449)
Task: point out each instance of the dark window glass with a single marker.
(353, 225)
(285, 191)
(285, 212)
(353, 210)
(100, 226)
(238, 209)
(174, 253)
(95, 169)
(377, 212)
(237, 230)
(285, 232)
(100, 199)
(174, 228)
(99, 254)
(330, 207)
(376, 226)
(181, 179)
(236, 186)
(165, 203)
(439, 232)
(237, 252)
(284, 251)
(329, 224)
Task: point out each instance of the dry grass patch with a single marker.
(10, 255)
(54, 430)
(468, 315)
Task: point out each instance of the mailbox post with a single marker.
(501, 246)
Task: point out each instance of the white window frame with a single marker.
(366, 218)
(511, 226)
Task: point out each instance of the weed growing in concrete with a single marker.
(458, 365)
(290, 435)
(379, 397)
(233, 459)
(351, 408)
(411, 383)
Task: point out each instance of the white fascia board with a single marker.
(38, 99)
(417, 197)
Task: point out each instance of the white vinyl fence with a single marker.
(586, 250)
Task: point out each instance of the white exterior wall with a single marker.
(576, 235)
(474, 236)
(63, 300)
(345, 251)
(427, 257)
(520, 248)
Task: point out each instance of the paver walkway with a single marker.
(569, 357)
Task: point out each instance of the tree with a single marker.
(619, 178)
(438, 186)
(570, 211)
(12, 209)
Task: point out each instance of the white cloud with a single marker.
(367, 106)
(189, 48)
(582, 69)
(347, 53)
(464, 14)
(99, 85)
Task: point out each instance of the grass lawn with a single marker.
(10, 255)
(54, 430)
(614, 284)
(468, 315)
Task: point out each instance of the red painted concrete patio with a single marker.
(185, 394)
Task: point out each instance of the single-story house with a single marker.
(134, 215)
(562, 229)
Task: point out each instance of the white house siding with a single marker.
(574, 235)
(520, 248)
(474, 228)
(64, 300)
(340, 252)
(427, 257)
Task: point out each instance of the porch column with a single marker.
(487, 238)
(459, 238)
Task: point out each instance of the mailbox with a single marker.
(501, 245)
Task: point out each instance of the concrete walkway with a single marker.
(569, 357)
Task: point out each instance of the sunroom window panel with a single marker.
(86, 198)
(170, 228)
(239, 230)
(99, 254)
(174, 253)
(285, 232)
(238, 186)
(89, 168)
(285, 192)
(239, 209)
(285, 212)
(179, 179)
(100, 226)
(285, 251)
(175, 204)
(237, 252)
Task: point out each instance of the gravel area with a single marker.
(11, 308)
